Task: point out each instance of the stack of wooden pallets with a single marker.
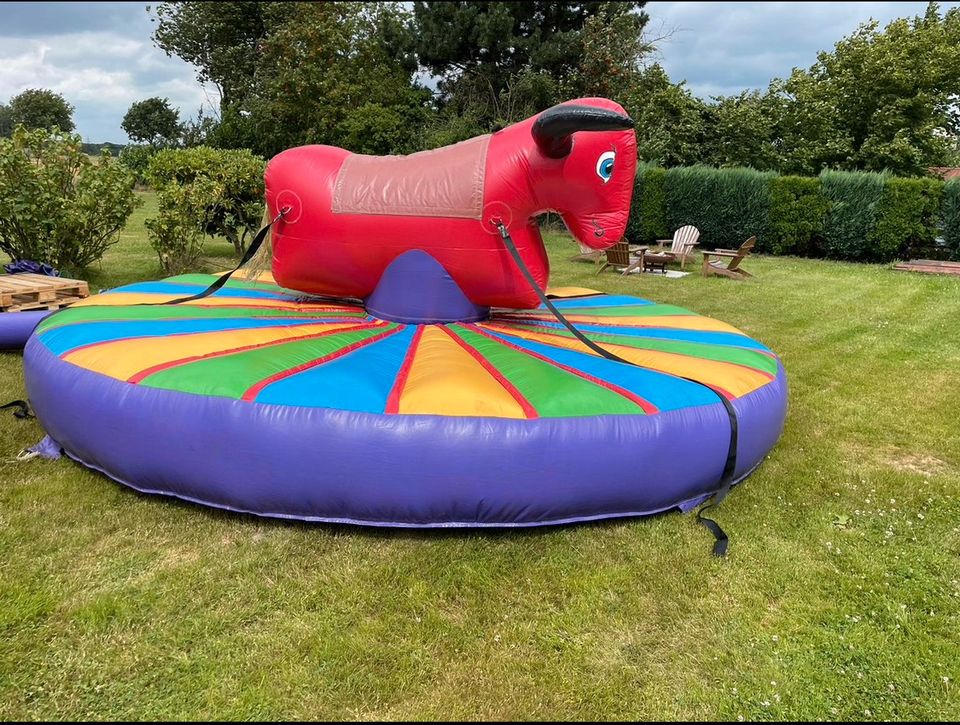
(19, 292)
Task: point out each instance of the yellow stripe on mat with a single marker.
(674, 322)
(446, 380)
(734, 379)
(116, 299)
(123, 359)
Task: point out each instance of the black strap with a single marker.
(248, 255)
(22, 409)
(729, 466)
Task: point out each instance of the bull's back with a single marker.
(350, 216)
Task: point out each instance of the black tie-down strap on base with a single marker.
(729, 466)
(248, 255)
(21, 409)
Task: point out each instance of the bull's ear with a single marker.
(554, 127)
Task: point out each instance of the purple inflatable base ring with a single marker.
(324, 464)
(16, 327)
(684, 506)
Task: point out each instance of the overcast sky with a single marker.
(101, 58)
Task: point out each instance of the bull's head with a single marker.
(587, 160)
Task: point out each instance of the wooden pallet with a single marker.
(930, 266)
(19, 292)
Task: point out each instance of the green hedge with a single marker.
(951, 217)
(650, 220)
(865, 217)
(798, 210)
(907, 219)
(854, 198)
(726, 205)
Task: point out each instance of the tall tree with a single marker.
(482, 49)
(670, 119)
(40, 108)
(153, 121)
(222, 39)
(882, 99)
(293, 73)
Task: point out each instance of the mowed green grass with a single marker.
(839, 598)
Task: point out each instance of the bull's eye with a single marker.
(605, 165)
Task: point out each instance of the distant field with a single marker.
(839, 600)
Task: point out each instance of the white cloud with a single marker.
(101, 74)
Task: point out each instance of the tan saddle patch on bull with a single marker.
(444, 182)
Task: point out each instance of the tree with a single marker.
(222, 39)
(152, 121)
(481, 49)
(40, 108)
(310, 73)
(738, 131)
(881, 100)
(670, 119)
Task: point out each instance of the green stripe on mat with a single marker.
(231, 375)
(704, 350)
(553, 392)
(103, 313)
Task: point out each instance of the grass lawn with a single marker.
(839, 599)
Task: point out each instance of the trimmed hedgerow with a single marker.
(726, 205)
(906, 219)
(856, 216)
(855, 197)
(648, 218)
(797, 213)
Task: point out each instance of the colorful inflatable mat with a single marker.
(262, 400)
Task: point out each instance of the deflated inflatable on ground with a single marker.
(402, 366)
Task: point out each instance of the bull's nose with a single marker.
(598, 231)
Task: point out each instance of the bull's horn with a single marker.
(553, 128)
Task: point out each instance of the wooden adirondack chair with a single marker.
(619, 255)
(732, 270)
(587, 254)
(681, 246)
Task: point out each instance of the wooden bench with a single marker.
(19, 292)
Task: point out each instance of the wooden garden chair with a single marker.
(732, 269)
(619, 256)
(587, 254)
(681, 246)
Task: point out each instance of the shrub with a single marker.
(906, 218)
(855, 197)
(137, 158)
(726, 205)
(238, 174)
(648, 212)
(177, 232)
(951, 217)
(56, 204)
(797, 213)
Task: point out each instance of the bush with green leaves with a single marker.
(136, 157)
(57, 205)
(726, 205)
(797, 213)
(906, 219)
(237, 212)
(177, 233)
(854, 197)
(951, 217)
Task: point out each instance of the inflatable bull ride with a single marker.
(405, 364)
